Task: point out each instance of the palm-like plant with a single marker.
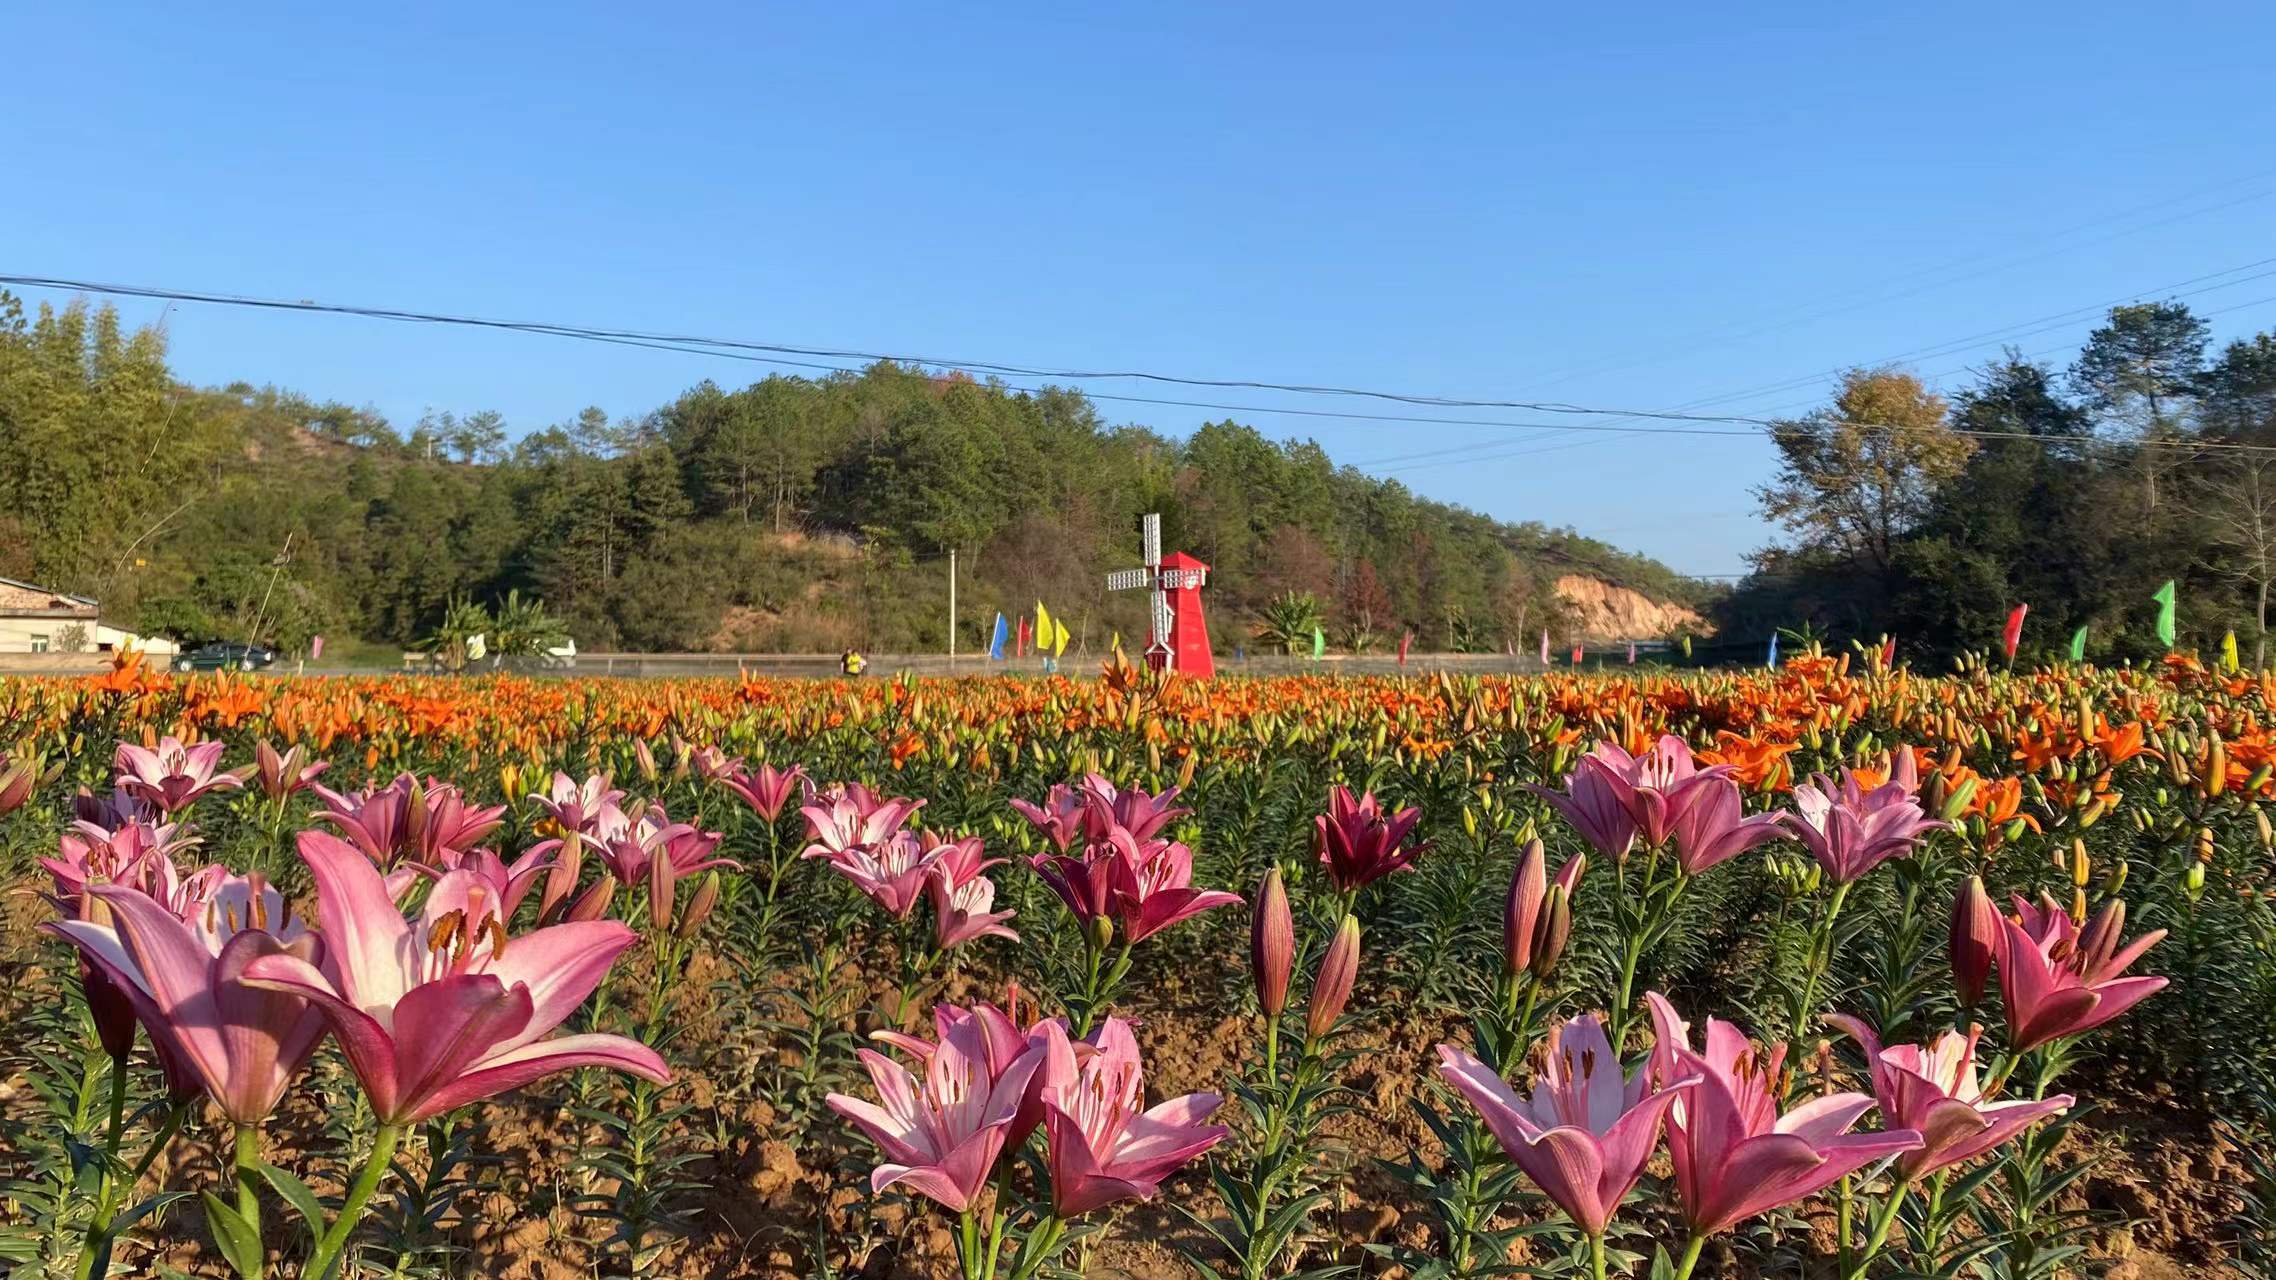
(1289, 620)
(523, 629)
(461, 637)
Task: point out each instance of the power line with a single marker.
(1712, 338)
(774, 353)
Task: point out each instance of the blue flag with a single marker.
(996, 642)
(1774, 649)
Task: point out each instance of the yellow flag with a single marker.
(2228, 652)
(1059, 640)
(1042, 627)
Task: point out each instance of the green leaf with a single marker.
(239, 1243)
(297, 1194)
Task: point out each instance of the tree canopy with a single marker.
(790, 514)
(2077, 492)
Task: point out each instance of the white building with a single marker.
(34, 619)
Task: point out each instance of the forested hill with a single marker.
(793, 514)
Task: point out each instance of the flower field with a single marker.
(1836, 970)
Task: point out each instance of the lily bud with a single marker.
(644, 757)
(1521, 909)
(1331, 986)
(1553, 931)
(699, 907)
(15, 786)
(1272, 944)
(2102, 936)
(1100, 933)
(594, 902)
(1975, 935)
(663, 885)
(561, 881)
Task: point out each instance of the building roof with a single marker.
(21, 599)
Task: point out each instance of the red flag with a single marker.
(1404, 642)
(1576, 655)
(2014, 633)
(1019, 649)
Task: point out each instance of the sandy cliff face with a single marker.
(1606, 613)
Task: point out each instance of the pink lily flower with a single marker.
(280, 776)
(138, 855)
(1713, 827)
(1143, 886)
(892, 872)
(1594, 804)
(958, 860)
(767, 790)
(1655, 787)
(1359, 844)
(943, 1138)
(850, 817)
(1735, 1156)
(187, 977)
(652, 834)
(505, 884)
(1106, 807)
(171, 775)
(1850, 830)
(1059, 817)
(961, 892)
(1932, 1089)
(709, 762)
(444, 1012)
(116, 810)
(961, 912)
(2057, 982)
(579, 806)
(1158, 891)
(1105, 1144)
(1586, 1134)
(408, 819)
(1005, 1042)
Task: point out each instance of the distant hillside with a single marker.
(792, 514)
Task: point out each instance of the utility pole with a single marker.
(952, 609)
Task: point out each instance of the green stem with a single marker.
(1039, 1247)
(1844, 1224)
(96, 1252)
(1596, 1256)
(1690, 1257)
(1882, 1221)
(248, 1165)
(1821, 959)
(326, 1258)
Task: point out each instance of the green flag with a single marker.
(2164, 598)
(1319, 644)
(2078, 645)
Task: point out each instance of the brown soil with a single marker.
(764, 1199)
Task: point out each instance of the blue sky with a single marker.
(1642, 206)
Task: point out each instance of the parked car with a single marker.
(225, 656)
